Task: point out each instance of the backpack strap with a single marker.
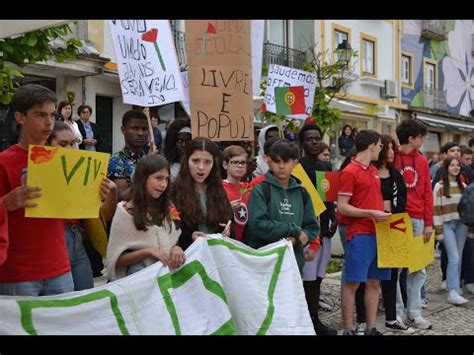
(267, 195)
(304, 195)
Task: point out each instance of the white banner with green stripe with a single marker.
(224, 288)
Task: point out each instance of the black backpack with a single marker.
(466, 206)
(267, 196)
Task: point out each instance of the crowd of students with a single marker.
(155, 205)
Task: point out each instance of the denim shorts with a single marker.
(361, 260)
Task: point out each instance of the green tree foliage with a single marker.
(30, 48)
(331, 78)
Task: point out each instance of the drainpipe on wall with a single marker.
(83, 83)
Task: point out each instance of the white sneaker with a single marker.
(424, 303)
(469, 288)
(399, 326)
(324, 306)
(460, 291)
(360, 328)
(419, 322)
(455, 298)
(444, 286)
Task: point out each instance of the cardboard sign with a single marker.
(398, 248)
(280, 76)
(69, 181)
(220, 79)
(147, 62)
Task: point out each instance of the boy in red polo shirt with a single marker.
(360, 201)
(37, 262)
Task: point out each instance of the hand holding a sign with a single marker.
(309, 254)
(159, 254)
(177, 257)
(18, 197)
(235, 203)
(303, 238)
(380, 215)
(197, 234)
(226, 231)
(427, 234)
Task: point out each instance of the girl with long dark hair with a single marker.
(199, 195)
(145, 229)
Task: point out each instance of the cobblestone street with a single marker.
(445, 318)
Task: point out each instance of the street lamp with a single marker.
(344, 51)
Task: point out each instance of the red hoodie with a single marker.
(416, 174)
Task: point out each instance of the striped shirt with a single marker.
(445, 208)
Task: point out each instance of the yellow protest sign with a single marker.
(318, 204)
(396, 246)
(69, 181)
(392, 240)
(96, 232)
(420, 254)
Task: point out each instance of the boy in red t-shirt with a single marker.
(360, 180)
(37, 262)
(234, 161)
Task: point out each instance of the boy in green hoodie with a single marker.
(284, 212)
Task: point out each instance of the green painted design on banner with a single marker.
(280, 252)
(27, 306)
(227, 329)
(178, 278)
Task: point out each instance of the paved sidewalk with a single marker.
(445, 318)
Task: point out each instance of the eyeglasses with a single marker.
(237, 162)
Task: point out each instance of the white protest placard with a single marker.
(224, 288)
(147, 62)
(185, 102)
(280, 76)
(258, 27)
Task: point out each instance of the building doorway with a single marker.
(104, 116)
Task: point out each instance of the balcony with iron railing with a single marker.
(434, 29)
(434, 99)
(282, 55)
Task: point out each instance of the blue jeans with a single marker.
(80, 265)
(455, 234)
(47, 287)
(415, 281)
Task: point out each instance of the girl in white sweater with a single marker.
(145, 229)
(446, 196)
